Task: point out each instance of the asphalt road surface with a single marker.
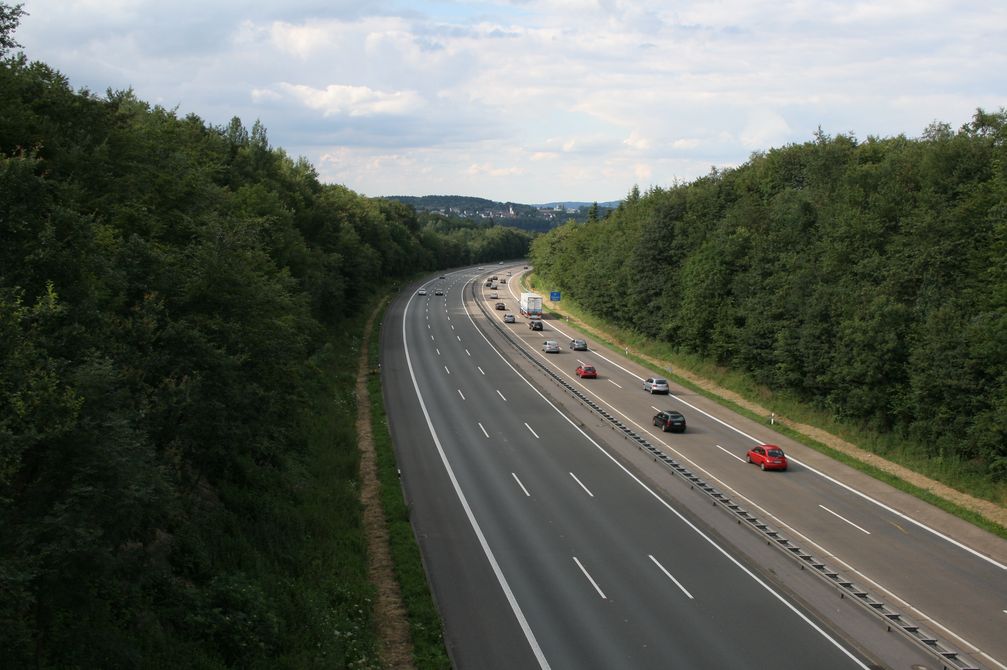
(547, 548)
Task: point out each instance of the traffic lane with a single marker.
(611, 525)
(965, 599)
(787, 504)
(892, 559)
(554, 447)
(460, 577)
(886, 573)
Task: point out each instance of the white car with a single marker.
(656, 385)
(509, 318)
(422, 291)
(493, 296)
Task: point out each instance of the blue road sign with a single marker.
(554, 296)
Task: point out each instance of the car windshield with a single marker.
(775, 452)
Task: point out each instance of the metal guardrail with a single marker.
(949, 658)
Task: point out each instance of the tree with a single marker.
(10, 19)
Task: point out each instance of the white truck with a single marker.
(531, 304)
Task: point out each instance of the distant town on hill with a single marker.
(539, 217)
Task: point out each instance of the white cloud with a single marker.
(764, 129)
(493, 171)
(536, 101)
(299, 40)
(337, 99)
(637, 141)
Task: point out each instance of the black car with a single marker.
(670, 420)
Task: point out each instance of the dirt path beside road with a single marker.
(395, 642)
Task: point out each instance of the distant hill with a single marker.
(573, 204)
(539, 217)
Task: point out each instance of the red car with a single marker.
(587, 372)
(767, 457)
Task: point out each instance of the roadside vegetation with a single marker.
(429, 652)
(857, 286)
(181, 312)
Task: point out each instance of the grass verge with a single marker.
(424, 619)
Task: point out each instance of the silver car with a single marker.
(656, 385)
(509, 318)
(550, 347)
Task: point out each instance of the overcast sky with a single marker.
(538, 100)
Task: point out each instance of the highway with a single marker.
(546, 547)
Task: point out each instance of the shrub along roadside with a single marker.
(949, 472)
(424, 619)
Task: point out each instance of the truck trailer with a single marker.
(531, 304)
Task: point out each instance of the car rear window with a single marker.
(775, 452)
(660, 381)
(588, 368)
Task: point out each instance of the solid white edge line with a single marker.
(920, 524)
(586, 489)
(501, 579)
(671, 577)
(843, 518)
(590, 579)
(520, 484)
(667, 505)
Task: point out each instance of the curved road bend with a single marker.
(542, 550)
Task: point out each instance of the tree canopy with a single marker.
(172, 296)
(868, 278)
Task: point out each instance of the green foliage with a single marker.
(178, 304)
(867, 278)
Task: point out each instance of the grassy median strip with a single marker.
(424, 619)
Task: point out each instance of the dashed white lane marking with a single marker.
(838, 516)
(590, 579)
(521, 485)
(730, 454)
(532, 431)
(586, 489)
(671, 577)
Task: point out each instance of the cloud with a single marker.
(764, 129)
(493, 171)
(544, 100)
(341, 100)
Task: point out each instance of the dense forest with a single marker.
(178, 308)
(867, 278)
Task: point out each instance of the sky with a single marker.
(534, 101)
